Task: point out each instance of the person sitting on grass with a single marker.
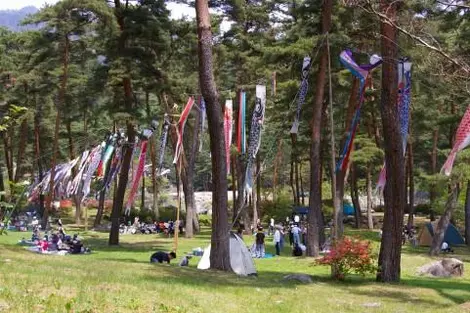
(161, 257)
(446, 248)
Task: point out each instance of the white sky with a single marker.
(177, 10)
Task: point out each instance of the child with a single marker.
(277, 240)
(259, 248)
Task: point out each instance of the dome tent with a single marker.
(240, 258)
(452, 235)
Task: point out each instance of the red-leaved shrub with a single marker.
(349, 255)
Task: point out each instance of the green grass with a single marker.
(120, 279)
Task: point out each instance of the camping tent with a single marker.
(240, 258)
(452, 235)
(348, 209)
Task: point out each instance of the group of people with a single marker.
(56, 241)
(166, 228)
(296, 231)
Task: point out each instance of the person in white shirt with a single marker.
(271, 227)
(277, 241)
(296, 234)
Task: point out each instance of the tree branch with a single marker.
(452, 4)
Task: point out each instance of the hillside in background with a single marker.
(11, 19)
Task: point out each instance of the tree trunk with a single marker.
(302, 192)
(7, 135)
(220, 254)
(21, 149)
(255, 204)
(411, 184)
(315, 201)
(370, 220)
(355, 196)
(467, 215)
(258, 183)
(433, 191)
(2, 185)
(191, 212)
(121, 188)
(153, 156)
(37, 148)
(394, 193)
(293, 166)
(233, 171)
(277, 162)
(77, 199)
(444, 221)
(60, 105)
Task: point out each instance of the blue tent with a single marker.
(348, 209)
(452, 235)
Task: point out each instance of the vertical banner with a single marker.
(361, 72)
(403, 103)
(228, 121)
(180, 128)
(257, 121)
(301, 95)
(163, 139)
(138, 176)
(241, 133)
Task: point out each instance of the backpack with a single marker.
(297, 251)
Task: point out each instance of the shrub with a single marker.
(205, 220)
(349, 255)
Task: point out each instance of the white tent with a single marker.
(240, 258)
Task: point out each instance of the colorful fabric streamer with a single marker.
(228, 123)
(302, 94)
(138, 176)
(95, 159)
(361, 72)
(202, 109)
(163, 139)
(462, 140)
(257, 121)
(403, 102)
(241, 132)
(180, 128)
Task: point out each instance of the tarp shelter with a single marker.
(348, 209)
(240, 258)
(452, 235)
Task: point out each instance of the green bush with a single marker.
(205, 220)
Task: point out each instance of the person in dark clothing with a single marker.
(161, 257)
(259, 247)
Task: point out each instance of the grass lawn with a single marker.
(120, 279)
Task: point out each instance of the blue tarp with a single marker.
(348, 209)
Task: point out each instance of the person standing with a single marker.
(277, 241)
(259, 248)
(271, 227)
(296, 234)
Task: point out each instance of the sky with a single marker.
(177, 10)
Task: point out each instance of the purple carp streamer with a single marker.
(403, 102)
(361, 72)
(302, 94)
(257, 121)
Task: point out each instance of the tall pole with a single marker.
(336, 231)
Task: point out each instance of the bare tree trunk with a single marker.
(444, 221)
(60, 105)
(411, 184)
(234, 184)
(277, 162)
(315, 201)
(370, 220)
(37, 147)
(258, 183)
(302, 192)
(77, 199)
(254, 202)
(121, 188)
(433, 191)
(293, 167)
(7, 135)
(355, 196)
(21, 149)
(467, 215)
(153, 156)
(220, 254)
(394, 193)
